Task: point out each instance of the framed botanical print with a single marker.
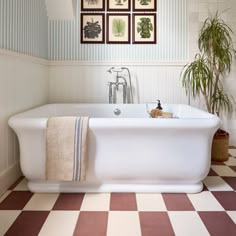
(92, 28)
(118, 28)
(144, 28)
(92, 5)
(144, 5)
(118, 5)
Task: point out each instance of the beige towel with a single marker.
(66, 148)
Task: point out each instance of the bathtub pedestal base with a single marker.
(59, 187)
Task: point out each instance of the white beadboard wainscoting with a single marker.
(88, 83)
(23, 85)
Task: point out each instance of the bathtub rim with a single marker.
(23, 120)
(147, 108)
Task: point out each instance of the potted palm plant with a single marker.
(203, 78)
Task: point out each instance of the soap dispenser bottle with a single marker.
(157, 111)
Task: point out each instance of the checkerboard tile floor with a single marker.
(211, 212)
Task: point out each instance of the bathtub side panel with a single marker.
(33, 154)
(151, 155)
(132, 155)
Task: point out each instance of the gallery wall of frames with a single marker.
(118, 21)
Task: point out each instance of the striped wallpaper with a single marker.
(24, 27)
(64, 39)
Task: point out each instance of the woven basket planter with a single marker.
(220, 146)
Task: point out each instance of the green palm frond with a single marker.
(216, 42)
(223, 102)
(203, 76)
(197, 76)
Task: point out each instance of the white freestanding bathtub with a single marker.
(130, 152)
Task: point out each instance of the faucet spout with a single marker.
(120, 80)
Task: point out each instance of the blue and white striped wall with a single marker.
(24, 27)
(64, 39)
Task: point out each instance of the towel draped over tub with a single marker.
(66, 148)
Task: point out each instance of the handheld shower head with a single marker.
(125, 69)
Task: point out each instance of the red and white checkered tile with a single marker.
(211, 212)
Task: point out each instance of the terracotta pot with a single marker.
(220, 145)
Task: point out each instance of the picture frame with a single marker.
(92, 28)
(118, 5)
(144, 5)
(118, 28)
(92, 5)
(147, 34)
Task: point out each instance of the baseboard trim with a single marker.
(8, 177)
